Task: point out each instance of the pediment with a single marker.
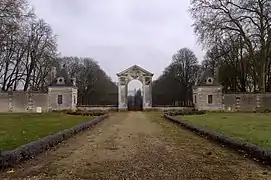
(135, 71)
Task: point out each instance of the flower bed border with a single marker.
(30, 150)
(255, 152)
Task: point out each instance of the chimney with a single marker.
(53, 73)
(216, 74)
(73, 81)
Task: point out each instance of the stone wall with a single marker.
(200, 98)
(246, 102)
(22, 101)
(67, 94)
(40, 100)
(4, 102)
(266, 101)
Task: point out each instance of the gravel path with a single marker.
(137, 145)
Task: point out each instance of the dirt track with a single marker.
(138, 145)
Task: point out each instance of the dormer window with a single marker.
(73, 81)
(209, 80)
(60, 80)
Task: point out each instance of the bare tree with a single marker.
(41, 45)
(94, 86)
(175, 85)
(248, 19)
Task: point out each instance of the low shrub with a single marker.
(182, 112)
(253, 151)
(60, 111)
(261, 110)
(151, 110)
(30, 150)
(88, 113)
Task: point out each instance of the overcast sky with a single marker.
(121, 33)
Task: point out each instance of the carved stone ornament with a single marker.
(122, 81)
(147, 80)
(135, 73)
(122, 97)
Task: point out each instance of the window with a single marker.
(210, 99)
(195, 99)
(60, 80)
(209, 80)
(59, 99)
(74, 100)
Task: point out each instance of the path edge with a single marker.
(30, 150)
(254, 152)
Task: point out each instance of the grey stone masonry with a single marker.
(62, 95)
(207, 92)
(208, 98)
(207, 95)
(62, 92)
(124, 77)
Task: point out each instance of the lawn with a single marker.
(19, 129)
(252, 127)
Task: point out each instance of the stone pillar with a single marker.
(30, 102)
(258, 101)
(147, 93)
(74, 99)
(237, 102)
(49, 100)
(10, 101)
(122, 94)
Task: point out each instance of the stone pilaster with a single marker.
(49, 107)
(122, 105)
(237, 103)
(147, 95)
(258, 101)
(30, 102)
(10, 101)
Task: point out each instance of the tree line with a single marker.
(174, 86)
(235, 34)
(28, 52)
(237, 38)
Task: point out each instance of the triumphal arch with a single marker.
(144, 76)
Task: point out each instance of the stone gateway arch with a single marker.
(138, 73)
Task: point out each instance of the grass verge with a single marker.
(19, 129)
(252, 127)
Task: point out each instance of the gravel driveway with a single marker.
(137, 145)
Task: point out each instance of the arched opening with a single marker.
(135, 95)
(131, 80)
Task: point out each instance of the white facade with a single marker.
(124, 77)
(62, 98)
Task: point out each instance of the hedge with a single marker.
(255, 152)
(182, 113)
(87, 113)
(30, 150)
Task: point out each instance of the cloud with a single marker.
(121, 33)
